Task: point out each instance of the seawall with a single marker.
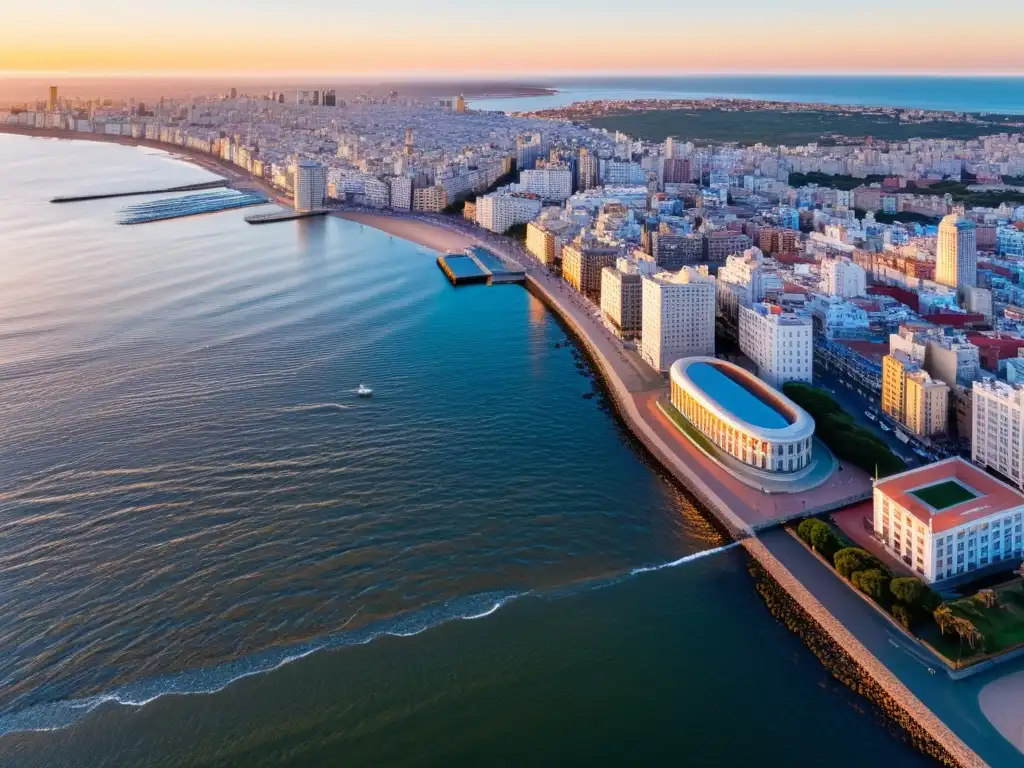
(925, 730)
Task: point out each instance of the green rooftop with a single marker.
(943, 495)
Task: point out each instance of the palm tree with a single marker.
(988, 598)
(967, 631)
(944, 618)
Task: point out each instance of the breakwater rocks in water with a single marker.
(855, 667)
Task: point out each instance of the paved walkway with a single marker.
(954, 702)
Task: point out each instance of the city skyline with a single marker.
(116, 37)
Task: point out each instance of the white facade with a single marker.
(400, 192)
(310, 185)
(678, 317)
(549, 184)
(499, 211)
(956, 256)
(745, 279)
(997, 439)
(778, 435)
(622, 172)
(841, 277)
(942, 543)
(780, 343)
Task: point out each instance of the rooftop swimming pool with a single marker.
(735, 398)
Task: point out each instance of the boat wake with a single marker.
(316, 407)
(52, 716)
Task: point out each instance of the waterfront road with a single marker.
(955, 702)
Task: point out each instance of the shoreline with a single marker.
(630, 387)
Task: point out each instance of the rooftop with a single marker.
(949, 493)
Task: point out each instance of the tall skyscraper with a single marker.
(460, 104)
(310, 185)
(330, 99)
(408, 142)
(234, 94)
(587, 169)
(956, 259)
(52, 102)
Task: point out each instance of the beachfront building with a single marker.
(310, 185)
(742, 415)
(622, 297)
(400, 192)
(956, 255)
(997, 428)
(948, 518)
(429, 199)
(779, 342)
(499, 211)
(677, 317)
(546, 237)
(582, 262)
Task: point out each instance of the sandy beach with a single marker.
(1002, 701)
(422, 233)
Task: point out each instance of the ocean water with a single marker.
(214, 552)
(1003, 95)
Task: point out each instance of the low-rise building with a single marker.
(948, 518)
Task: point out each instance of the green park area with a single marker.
(710, 126)
(964, 630)
(942, 495)
(840, 433)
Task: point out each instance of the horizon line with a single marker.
(499, 78)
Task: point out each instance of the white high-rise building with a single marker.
(956, 257)
(780, 343)
(498, 211)
(997, 439)
(401, 192)
(553, 184)
(310, 185)
(678, 317)
(841, 277)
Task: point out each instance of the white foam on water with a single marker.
(683, 560)
(52, 716)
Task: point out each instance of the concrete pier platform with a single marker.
(135, 193)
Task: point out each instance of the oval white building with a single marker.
(742, 415)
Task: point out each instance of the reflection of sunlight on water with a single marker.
(537, 312)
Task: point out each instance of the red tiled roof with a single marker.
(994, 496)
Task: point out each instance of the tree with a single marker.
(852, 559)
(874, 583)
(805, 529)
(824, 541)
(967, 631)
(902, 614)
(914, 593)
(987, 597)
(944, 618)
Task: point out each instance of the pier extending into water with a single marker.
(270, 218)
(165, 190)
(478, 265)
(188, 205)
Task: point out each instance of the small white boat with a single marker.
(885, 427)
(364, 391)
(870, 415)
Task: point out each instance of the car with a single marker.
(885, 427)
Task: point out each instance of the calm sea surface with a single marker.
(213, 552)
(1004, 95)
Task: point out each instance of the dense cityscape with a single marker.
(828, 337)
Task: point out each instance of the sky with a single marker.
(475, 38)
